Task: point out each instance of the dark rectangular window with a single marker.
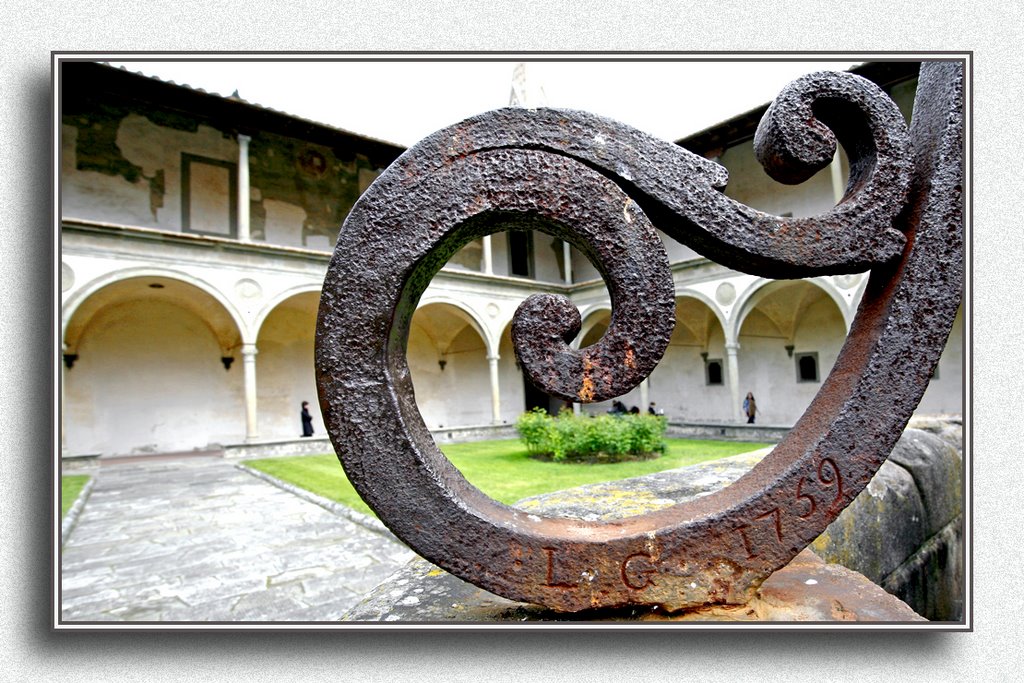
(520, 253)
(713, 370)
(806, 367)
(209, 196)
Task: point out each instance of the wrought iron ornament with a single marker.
(603, 187)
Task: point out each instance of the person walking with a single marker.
(750, 408)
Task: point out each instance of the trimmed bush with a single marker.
(601, 438)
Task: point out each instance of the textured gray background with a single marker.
(30, 30)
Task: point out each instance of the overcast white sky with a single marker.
(403, 101)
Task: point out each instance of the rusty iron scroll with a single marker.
(604, 187)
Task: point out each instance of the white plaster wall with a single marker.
(546, 259)
(284, 223)
(469, 258)
(769, 373)
(767, 370)
(679, 386)
(510, 381)
(320, 242)
(749, 184)
(100, 197)
(465, 382)
(459, 395)
(545, 263)
(284, 371)
(149, 378)
(677, 251)
(584, 270)
(422, 357)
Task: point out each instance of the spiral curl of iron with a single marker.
(605, 187)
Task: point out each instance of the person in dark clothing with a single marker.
(307, 420)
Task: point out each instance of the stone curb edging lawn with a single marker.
(900, 540)
(71, 519)
(365, 521)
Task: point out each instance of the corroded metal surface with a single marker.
(601, 185)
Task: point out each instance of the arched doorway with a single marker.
(691, 383)
(447, 358)
(151, 365)
(285, 367)
(790, 333)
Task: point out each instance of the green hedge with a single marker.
(606, 438)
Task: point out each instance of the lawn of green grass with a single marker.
(501, 469)
(70, 487)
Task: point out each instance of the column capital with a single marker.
(493, 357)
(244, 139)
(732, 346)
(249, 350)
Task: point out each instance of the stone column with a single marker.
(835, 171)
(732, 367)
(645, 398)
(488, 261)
(492, 362)
(243, 188)
(567, 261)
(252, 430)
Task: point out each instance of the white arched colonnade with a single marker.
(247, 365)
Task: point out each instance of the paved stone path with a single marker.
(200, 540)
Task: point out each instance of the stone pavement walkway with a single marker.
(199, 540)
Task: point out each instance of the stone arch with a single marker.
(699, 318)
(764, 287)
(285, 341)
(592, 317)
(281, 297)
(69, 310)
(847, 308)
(712, 306)
(469, 315)
(679, 385)
(790, 333)
(150, 367)
(447, 355)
